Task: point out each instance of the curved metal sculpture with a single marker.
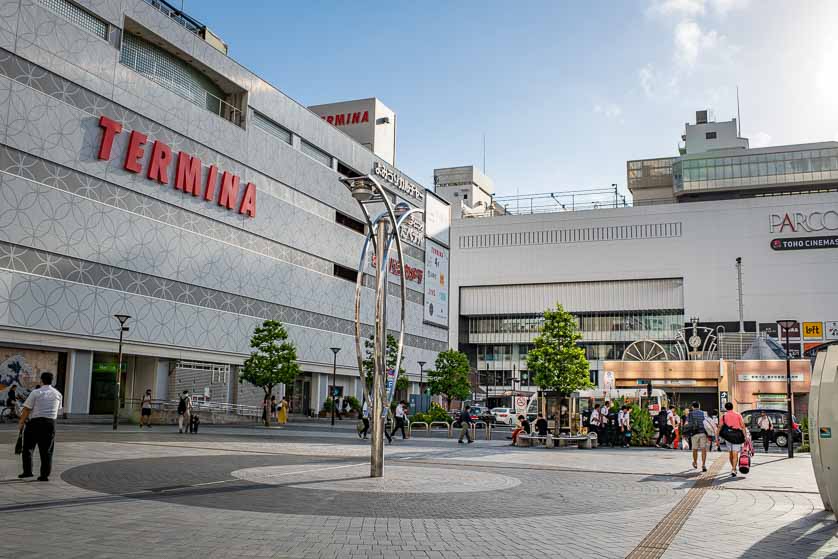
(383, 232)
(645, 350)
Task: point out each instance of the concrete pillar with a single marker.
(160, 389)
(80, 371)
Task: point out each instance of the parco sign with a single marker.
(800, 222)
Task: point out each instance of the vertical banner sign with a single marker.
(390, 384)
(437, 219)
(436, 284)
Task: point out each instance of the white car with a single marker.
(504, 416)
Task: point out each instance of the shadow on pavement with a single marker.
(801, 538)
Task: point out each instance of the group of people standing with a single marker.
(612, 428)
(277, 409)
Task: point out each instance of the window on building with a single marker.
(316, 153)
(78, 16)
(177, 75)
(710, 136)
(271, 127)
(348, 274)
(349, 222)
(348, 171)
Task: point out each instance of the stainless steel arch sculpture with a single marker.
(645, 350)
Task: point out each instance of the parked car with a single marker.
(505, 416)
(478, 413)
(779, 418)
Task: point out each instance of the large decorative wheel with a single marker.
(645, 350)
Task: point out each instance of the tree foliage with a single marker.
(450, 377)
(556, 362)
(392, 352)
(273, 360)
(642, 427)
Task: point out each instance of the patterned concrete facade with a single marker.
(83, 238)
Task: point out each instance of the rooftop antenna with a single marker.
(738, 116)
(484, 153)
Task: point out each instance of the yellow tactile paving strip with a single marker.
(656, 542)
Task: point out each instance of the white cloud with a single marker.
(691, 41)
(759, 140)
(679, 8)
(722, 7)
(609, 110)
(655, 84)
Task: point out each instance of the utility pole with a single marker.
(739, 291)
(788, 325)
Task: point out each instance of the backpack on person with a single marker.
(731, 435)
(181, 407)
(709, 427)
(695, 423)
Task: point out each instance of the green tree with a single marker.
(273, 361)
(556, 362)
(450, 377)
(392, 352)
(642, 427)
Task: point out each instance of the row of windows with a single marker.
(77, 15)
(664, 321)
(578, 235)
(503, 366)
(683, 173)
(271, 127)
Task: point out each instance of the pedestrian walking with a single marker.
(273, 406)
(145, 409)
(282, 411)
(766, 427)
(694, 428)
(184, 411)
(338, 405)
(662, 423)
(732, 429)
(400, 420)
(365, 419)
(465, 423)
(624, 421)
(37, 421)
(711, 427)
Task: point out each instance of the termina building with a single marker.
(639, 277)
(145, 172)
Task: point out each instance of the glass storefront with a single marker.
(103, 382)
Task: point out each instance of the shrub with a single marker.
(354, 404)
(327, 404)
(434, 413)
(642, 429)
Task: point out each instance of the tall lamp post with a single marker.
(335, 350)
(421, 382)
(788, 325)
(122, 318)
(383, 232)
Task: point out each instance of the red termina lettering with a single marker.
(212, 178)
(158, 166)
(135, 151)
(188, 177)
(110, 128)
(248, 205)
(229, 190)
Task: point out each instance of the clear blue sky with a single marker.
(565, 92)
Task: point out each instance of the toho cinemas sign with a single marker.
(182, 170)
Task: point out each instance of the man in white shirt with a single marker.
(595, 422)
(400, 420)
(41, 410)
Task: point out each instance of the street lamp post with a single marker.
(122, 318)
(383, 232)
(788, 325)
(335, 350)
(421, 382)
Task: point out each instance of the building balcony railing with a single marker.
(188, 23)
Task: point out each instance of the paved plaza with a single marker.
(304, 491)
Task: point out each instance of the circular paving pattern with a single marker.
(326, 486)
(399, 479)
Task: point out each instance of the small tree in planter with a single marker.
(450, 377)
(273, 361)
(642, 428)
(556, 362)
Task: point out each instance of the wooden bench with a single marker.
(581, 441)
(525, 440)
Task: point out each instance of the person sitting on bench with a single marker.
(523, 426)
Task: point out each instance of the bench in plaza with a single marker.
(581, 441)
(530, 440)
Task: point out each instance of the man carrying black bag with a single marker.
(41, 410)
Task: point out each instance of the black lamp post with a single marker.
(122, 318)
(788, 325)
(335, 350)
(421, 382)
